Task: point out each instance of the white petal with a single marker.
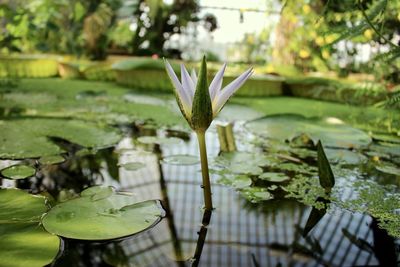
(183, 96)
(216, 83)
(229, 90)
(187, 83)
(194, 77)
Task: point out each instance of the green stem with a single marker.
(201, 137)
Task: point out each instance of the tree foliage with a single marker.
(326, 35)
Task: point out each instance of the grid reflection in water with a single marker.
(235, 232)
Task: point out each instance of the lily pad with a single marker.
(236, 181)
(29, 138)
(132, 166)
(23, 241)
(297, 168)
(242, 162)
(331, 132)
(181, 160)
(52, 159)
(274, 177)
(389, 169)
(19, 171)
(159, 140)
(256, 194)
(101, 214)
(344, 156)
(17, 205)
(386, 138)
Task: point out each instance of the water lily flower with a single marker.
(199, 103)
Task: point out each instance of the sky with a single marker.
(230, 29)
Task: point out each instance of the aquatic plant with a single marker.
(200, 104)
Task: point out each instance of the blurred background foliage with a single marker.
(329, 36)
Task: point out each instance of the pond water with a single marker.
(240, 233)
(266, 196)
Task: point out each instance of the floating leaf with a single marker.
(17, 205)
(242, 168)
(23, 241)
(132, 166)
(256, 194)
(386, 138)
(101, 214)
(297, 168)
(50, 160)
(332, 132)
(18, 172)
(344, 156)
(236, 181)
(181, 160)
(29, 138)
(275, 177)
(242, 162)
(326, 178)
(390, 169)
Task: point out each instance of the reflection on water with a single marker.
(238, 233)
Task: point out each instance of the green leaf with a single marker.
(29, 138)
(23, 241)
(331, 131)
(202, 114)
(101, 214)
(132, 166)
(18, 172)
(326, 178)
(274, 177)
(17, 205)
(52, 159)
(256, 194)
(236, 181)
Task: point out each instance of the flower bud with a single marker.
(202, 113)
